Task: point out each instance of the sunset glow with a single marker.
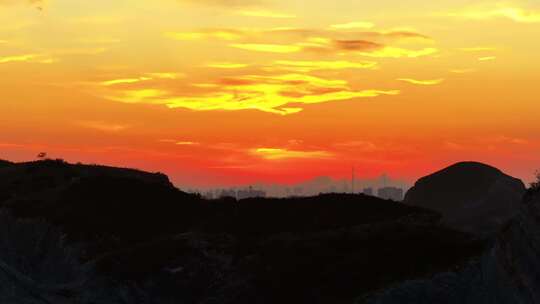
(216, 92)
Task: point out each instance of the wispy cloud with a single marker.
(422, 82)
(477, 49)
(186, 143)
(462, 71)
(226, 65)
(395, 52)
(221, 34)
(516, 14)
(103, 126)
(353, 25)
(138, 79)
(308, 66)
(292, 40)
(180, 142)
(283, 154)
(487, 58)
(124, 81)
(35, 58)
(268, 48)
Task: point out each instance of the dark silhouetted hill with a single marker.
(161, 245)
(5, 163)
(471, 196)
(507, 273)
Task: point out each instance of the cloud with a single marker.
(103, 126)
(34, 58)
(357, 45)
(477, 49)
(265, 14)
(353, 25)
(395, 52)
(221, 34)
(515, 14)
(376, 50)
(309, 66)
(487, 58)
(272, 94)
(268, 48)
(300, 35)
(422, 82)
(186, 143)
(138, 79)
(294, 40)
(226, 65)
(166, 75)
(124, 81)
(462, 71)
(180, 142)
(283, 154)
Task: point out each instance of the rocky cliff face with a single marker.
(472, 197)
(508, 273)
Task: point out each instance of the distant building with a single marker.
(249, 193)
(209, 195)
(391, 193)
(368, 191)
(227, 193)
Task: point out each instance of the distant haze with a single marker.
(321, 184)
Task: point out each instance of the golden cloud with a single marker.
(487, 58)
(422, 82)
(283, 154)
(375, 44)
(515, 14)
(477, 49)
(270, 94)
(103, 126)
(353, 25)
(226, 65)
(147, 77)
(462, 71)
(186, 143)
(268, 48)
(308, 66)
(124, 81)
(395, 52)
(35, 58)
(221, 34)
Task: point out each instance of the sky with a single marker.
(227, 92)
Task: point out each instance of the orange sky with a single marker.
(220, 92)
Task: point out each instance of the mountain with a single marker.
(471, 196)
(141, 240)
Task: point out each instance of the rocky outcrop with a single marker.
(507, 273)
(472, 197)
